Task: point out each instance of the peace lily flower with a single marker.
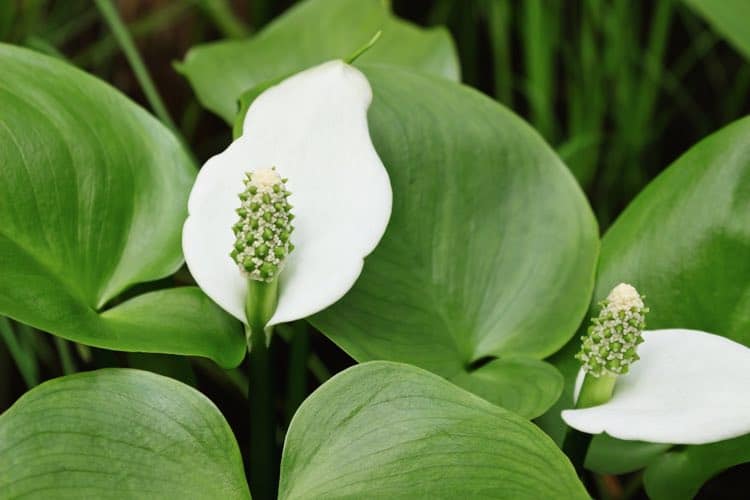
(687, 386)
(296, 202)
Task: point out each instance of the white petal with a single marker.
(313, 128)
(689, 387)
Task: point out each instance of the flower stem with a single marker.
(596, 390)
(121, 34)
(299, 350)
(262, 465)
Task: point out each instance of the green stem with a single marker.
(106, 47)
(315, 365)
(319, 370)
(220, 12)
(364, 48)
(110, 15)
(66, 360)
(499, 23)
(24, 359)
(596, 390)
(299, 346)
(262, 465)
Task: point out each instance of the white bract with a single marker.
(689, 387)
(312, 128)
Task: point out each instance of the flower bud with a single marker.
(610, 345)
(262, 232)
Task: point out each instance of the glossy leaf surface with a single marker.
(388, 430)
(684, 242)
(491, 246)
(93, 194)
(118, 433)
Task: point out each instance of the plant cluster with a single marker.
(361, 203)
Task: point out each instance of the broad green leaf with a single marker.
(607, 455)
(182, 320)
(388, 430)
(118, 433)
(680, 473)
(684, 242)
(728, 18)
(491, 246)
(523, 385)
(93, 194)
(310, 33)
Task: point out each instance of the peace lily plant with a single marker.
(675, 386)
(492, 254)
(280, 222)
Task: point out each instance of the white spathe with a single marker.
(313, 128)
(689, 387)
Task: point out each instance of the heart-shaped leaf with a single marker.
(93, 194)
(491, 246)
(388, 430)
(308, 34)
(684, 242)
(118, 433)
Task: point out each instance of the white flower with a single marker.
(689, 387)
(312, 128)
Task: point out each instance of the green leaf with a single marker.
(93, 194)
(607, 455)
(310, 33)
(680, 473)
(523, 385)
(491, 246)
(728, 18)
(684, 243)
(182, 320)
(246, 99)
(388, 430)
(118, 433)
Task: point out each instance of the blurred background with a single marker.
(620, 88)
